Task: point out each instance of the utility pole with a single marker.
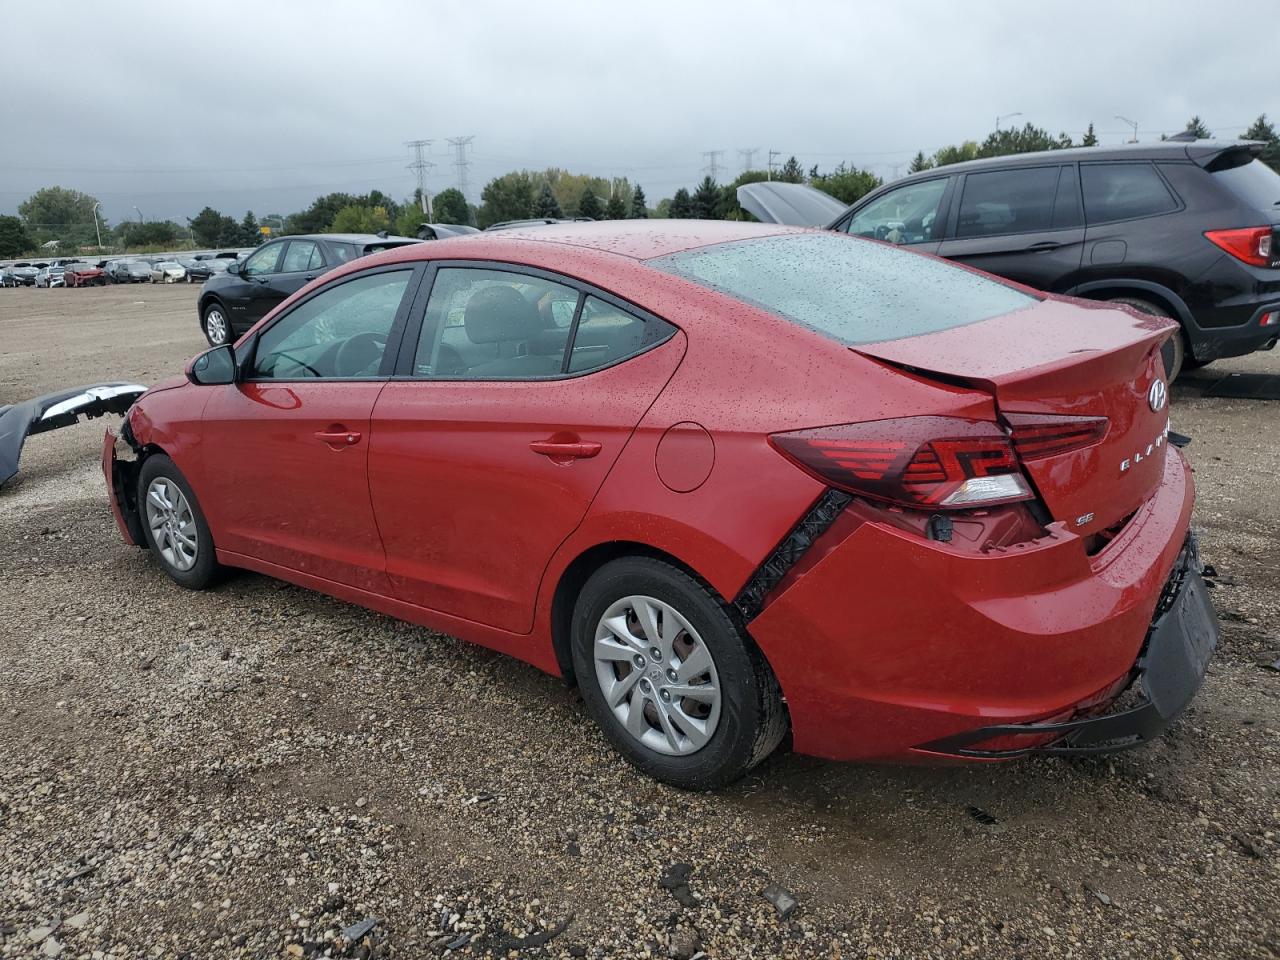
(1005, 116)
(420, 166)
(748, 155)
(460, 161)
(1132, 123)
(772, 155)
(97, 229)
(713, 163)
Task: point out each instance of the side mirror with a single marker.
(233, 268)
(213, 367)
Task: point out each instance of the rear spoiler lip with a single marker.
(1206, 153)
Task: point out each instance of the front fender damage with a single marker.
(60, 409)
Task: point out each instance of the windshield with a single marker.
(169, 265)
(1255, 183)
(137, 267)
(217, 266)
(851, 290)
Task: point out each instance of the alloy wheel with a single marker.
(215, 327)
(657, 675)
(173, 525)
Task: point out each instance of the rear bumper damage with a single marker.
(891, 646)
(53, 410)
(1165, 677)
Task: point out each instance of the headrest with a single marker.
(498, 314)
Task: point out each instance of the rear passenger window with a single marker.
(301, 255)
(1123, 191)
(1007, 201)
(500, 325)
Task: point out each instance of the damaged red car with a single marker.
(738, 482)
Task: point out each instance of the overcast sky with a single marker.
(264, 105)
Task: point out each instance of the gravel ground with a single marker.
(258, 770)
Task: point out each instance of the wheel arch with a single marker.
(1157, 293)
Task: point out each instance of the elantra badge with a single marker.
(1157, 395)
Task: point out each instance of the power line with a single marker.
(748, 155)
(420, 166)
(460, 161)
(713, 163)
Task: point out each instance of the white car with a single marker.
(168, 271)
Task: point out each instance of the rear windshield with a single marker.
(852, 290)
(1255, 183)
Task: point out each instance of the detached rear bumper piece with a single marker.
(1166, 676)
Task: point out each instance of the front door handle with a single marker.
(337, 436)
(1044, 246)
(563, 451)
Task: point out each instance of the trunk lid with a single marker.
(1065, 358)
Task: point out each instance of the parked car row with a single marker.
(77, 273)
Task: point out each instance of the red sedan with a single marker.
(734, 481)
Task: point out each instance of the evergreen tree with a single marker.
(1029, 139)
(1264, 131)
(791, 172)
(681, 206)
(706, 200)
(638, 210)
(249, 235)
(508, 197)
(1196, 125)
(14, 239)
(589, 205)
(919, 162)
(547, 205)
(615, 209)
(1090, 138)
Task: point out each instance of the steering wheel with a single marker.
(356, 355)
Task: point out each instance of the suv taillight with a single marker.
(1250, 244)
(922, 462)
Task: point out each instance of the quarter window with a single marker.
(1123, 191)
(1007, 201)
(263, 261)
(341, 332)
(905, 215)
(606, 335)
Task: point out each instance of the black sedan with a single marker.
(233, 301)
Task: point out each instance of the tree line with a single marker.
(68, 216)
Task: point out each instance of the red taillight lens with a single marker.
(929, 462)
(1250, 244)
(1036, 436)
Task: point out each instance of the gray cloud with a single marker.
(264, 106)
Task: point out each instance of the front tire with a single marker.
(1174, 351)
(666, 671)
(217, 329)
(174, 525)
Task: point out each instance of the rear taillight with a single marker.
(924, 462)
(1250, 244)
(1036, 436)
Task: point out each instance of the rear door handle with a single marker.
(563, 451)
(345, 438)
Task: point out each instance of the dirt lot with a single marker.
(249, 771)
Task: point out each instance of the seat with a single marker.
(502, 316)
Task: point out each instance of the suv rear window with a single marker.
(851, 290)
(1123, 191)
(1255, 183)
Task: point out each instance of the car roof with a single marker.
(636, 239)
(351, 237)
(1197, 150)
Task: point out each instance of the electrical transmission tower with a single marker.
(748, 155)
(460, 161)
(420, 166)
(713, 163)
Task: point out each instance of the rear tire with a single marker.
(174, 525)
(698, 706)
(1174, 351)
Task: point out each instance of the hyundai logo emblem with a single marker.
(1157, 395)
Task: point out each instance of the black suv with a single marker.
(233, 301)
(1185, 230)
